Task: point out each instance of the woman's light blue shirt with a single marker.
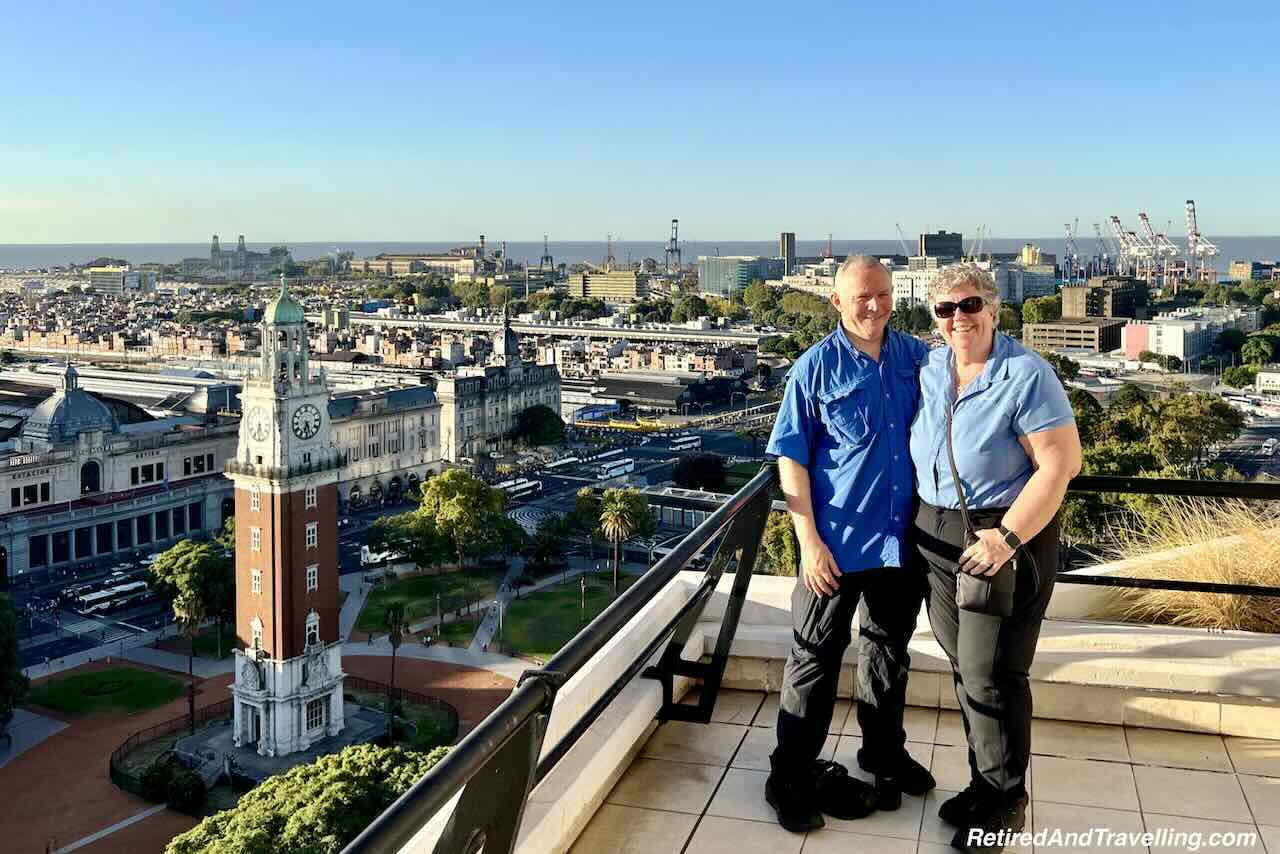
(1016, 394)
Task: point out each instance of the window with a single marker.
(313, 628)
(208, 460)
(306, 458)
(373, 449)
(256, 628)
(309, 498)
(133, 476)
(315, 714)
(186, 466)
(159, 471)
(313, 534)
(148, 473)
(15, 496)
(197, 465)
(256, 576)
(255, 499)
(44, 492)
(30, 494)
(255, 539)
(313, 577)
(143, 526)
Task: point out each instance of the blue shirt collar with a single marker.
(862, 359)
(996, 368)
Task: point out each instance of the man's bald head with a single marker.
(864, 297)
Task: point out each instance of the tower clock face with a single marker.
(258, 422)
(306, 421)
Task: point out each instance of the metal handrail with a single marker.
(528, 706)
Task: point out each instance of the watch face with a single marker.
(306, 421)
(258, 422)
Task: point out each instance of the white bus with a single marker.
(561, 463)
(607, 454)
(1269, 448)
(111, 598)
(686, 443)
(521, 488)
(614, 468)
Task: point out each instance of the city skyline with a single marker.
(288, 124)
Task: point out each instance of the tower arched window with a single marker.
(313, 629)
(90, 477)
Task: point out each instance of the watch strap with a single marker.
(1010, 538)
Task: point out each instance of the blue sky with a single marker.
(170, 121)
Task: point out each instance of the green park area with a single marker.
(539, 624)
(116, 689)
(432, 726)
(418, 595)
(737, 475)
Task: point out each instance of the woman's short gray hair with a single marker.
(962, 275)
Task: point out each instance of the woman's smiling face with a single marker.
(967, 333)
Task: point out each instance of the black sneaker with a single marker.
(794, 804)
(841, 796)
(992, 813)
(955, 809)
(896, 776)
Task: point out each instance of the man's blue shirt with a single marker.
(1016, 394)
(845, 418)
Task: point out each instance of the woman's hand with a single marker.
(987, 555)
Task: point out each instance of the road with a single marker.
(1245, 453)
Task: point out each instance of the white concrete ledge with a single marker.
(1120, 673)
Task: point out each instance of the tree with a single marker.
(1042, 309)
(538, 425)
(203, 577)
(1065, 368)
(314, 808)
(781, 548)
(465, 509)
(700, 471)
(499, 295)
(1128, 396)
(1231, 340)
(394, 622)
(1241, 377)
(1089, 414)
(623, 514)
(1257, 351)
(1187, 424)
(410, 534)
(546, 547)
(13, 683)
(1010, 320)
(759, 298)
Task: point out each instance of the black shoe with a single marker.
(794, 805)
(896, 776)
(955, 809)
(992, 812)
(841, 796)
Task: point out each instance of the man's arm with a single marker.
(819, 572)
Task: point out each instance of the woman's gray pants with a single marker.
(990, 656)
(888, 603)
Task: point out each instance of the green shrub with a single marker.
(155, 779)
(186, 791)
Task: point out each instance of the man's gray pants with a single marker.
(887, 601)
(990, 656)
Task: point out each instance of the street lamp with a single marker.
(583, 579)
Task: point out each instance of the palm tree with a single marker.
(617, 522)
(396, 628)
(189, 612)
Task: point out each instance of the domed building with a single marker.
(66, 414)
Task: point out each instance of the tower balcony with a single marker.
(649, 732)
(327, 462)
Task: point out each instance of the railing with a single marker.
(335, 460)
(504, 750)
(130, 782)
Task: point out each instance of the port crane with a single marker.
(902, 240)
(1198, 247)
(1071, 254)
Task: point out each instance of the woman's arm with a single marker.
(1055, 454)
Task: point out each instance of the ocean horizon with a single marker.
(36, 256)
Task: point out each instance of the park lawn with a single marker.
(738, 474)
(456, 631)
(432, 724)
(540, 623)
(418, 593)
(126, 689)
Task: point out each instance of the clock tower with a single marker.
(288, 677)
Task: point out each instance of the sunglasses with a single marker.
(969, 305)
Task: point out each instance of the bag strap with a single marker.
(955, 475)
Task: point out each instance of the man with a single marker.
(841, 443)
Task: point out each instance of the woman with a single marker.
(1015, 448)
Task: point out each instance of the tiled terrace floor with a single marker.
(699, 789)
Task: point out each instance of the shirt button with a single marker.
(891, 425)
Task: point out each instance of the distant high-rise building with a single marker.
(726, 275)
(610, 285)
(787, 251)
(942, 244)
(118, 281)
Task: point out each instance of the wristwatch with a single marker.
(1010, 538)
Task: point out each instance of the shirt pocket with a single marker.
(908, 391)
(844, 412)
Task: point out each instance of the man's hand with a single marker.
(818, 568)
(987, 555)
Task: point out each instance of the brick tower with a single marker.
(288, 677)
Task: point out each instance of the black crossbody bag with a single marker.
(981, 594)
